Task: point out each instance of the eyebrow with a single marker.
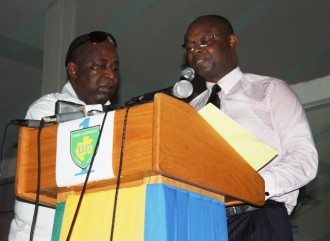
(203, 34)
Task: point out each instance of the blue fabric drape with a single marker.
(174, 214)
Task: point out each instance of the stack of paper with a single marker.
(254, 151)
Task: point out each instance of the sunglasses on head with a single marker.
(93, 37)
(98, 37)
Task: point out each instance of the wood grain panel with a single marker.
(164, 138)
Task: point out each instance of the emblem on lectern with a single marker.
(82, 145)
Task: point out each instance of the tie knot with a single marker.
(216, 88)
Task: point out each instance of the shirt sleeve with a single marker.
(45, 106)
(297, 162)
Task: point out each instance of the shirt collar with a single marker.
(228, 81)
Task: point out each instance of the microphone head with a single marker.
(187, 74)
(182, 89)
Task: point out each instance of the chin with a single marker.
(102, 98)
(203, 72)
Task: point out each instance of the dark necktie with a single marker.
(214, 97)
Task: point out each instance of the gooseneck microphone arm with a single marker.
(182, 89)
(147, 97)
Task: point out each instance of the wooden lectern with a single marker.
(167, 141)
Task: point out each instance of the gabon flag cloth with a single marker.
(149, 212)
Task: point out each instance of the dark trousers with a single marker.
(269, 223)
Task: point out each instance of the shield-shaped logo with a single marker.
(83, 145)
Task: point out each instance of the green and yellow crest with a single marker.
(83, 144)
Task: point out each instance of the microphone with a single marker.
(187, 74)
(81, 112)
(28, 123)
(63, 117)
(90, 110)
(181, 89)
(49, 120)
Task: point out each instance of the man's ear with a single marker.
(232, 42)
(72, 70)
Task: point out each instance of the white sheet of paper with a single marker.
(76, 141)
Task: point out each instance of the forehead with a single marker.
(203, 26)
(103, 49)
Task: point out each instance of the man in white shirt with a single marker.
(92, 66)
(269, 109)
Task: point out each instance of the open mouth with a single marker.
(199, 62)
(199, 59)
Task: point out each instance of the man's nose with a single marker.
(110, 73)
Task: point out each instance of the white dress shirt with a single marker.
(21, 224)
(269, 109)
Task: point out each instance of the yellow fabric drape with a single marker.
(95, 216)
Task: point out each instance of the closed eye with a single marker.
(98, 66)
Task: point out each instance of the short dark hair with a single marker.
(220, 19)
(78, 42)
(73, 46)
